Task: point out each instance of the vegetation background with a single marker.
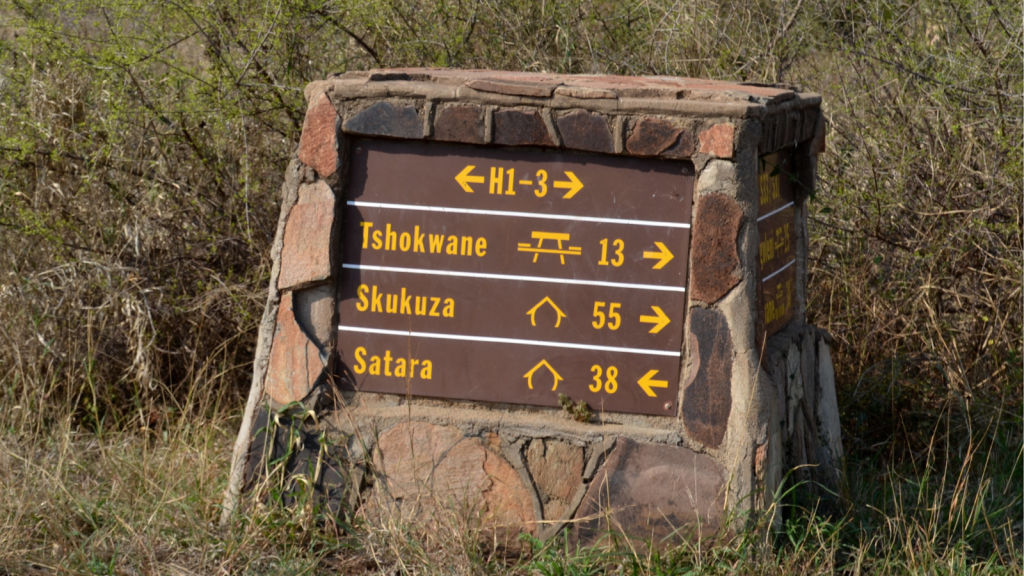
(142, 146)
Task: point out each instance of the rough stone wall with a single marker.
(521, 468)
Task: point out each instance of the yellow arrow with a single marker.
(532, 312)
(574, 185)
(529, 375)
(659, 321)
(465, 179)
(664, 257)
(646, 383)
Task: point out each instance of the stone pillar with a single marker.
(756, 393)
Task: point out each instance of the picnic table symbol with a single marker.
(558, 237)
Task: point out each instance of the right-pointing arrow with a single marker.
(664, 256)
(660, 320)
(647, 383)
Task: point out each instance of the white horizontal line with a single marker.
(519, 214)
(772, 275)
(507, 341)
(768, 215)
(512, 277)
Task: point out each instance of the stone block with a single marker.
(718, 140)
(582, 130)
(521, 128)
(425, 467)
(557, 469)
(715, 260)
(386, 119)
(314, 312)
(828, 404)
(295, 361)
(306, 252)
(818, 141)
(460, 124)
(652, 136)
(318, 145)
(663, 493)
(707, 393)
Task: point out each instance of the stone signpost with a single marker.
(552, 300)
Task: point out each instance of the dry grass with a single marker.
(141, 148)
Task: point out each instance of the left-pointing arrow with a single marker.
(465, 178)
(647, 383)
(573, 185)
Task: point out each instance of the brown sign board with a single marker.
(514, 275)
(776, 292)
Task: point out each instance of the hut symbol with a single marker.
(529, 375)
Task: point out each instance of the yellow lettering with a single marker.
(375, 365)
(421, 310)
(400, 367)
(481, 246)
(390, 239)
(417, 242)
(412, 366)
(449, 308)
(378, 241)
(453, 246)
(363, 302)
(366, 233)
(433, 308)
(467, 246)
(496, 178)
(375, 301)
(404, 242)
(392, 303)
(511, 176)
(406, 308)
(427, 371)
(436, 242)
(387, 362)
(360, 366)
(542, 181)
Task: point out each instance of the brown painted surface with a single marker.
(514, 297)
(776, 286)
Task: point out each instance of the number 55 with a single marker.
(614, 318)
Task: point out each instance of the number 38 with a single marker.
(609, 385)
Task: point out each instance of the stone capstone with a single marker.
(514, 88)
(423, 467)
(318, 145)
(387, 119)
(306, 254)
(295, 361)
(459, 124)
(557, 468)
(715, 260)
(718, 140)
(664, 493)
(585, 131)
(520, 128)
(707, 392)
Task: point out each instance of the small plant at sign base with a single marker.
(579, 411)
